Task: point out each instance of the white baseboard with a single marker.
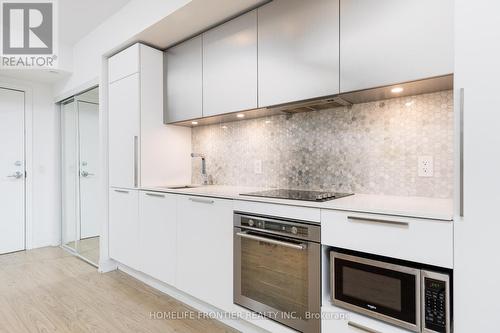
(238, 324)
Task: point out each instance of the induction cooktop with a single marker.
(319, 196)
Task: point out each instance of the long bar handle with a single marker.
(366, 219)
(462, 96)
(158, 195)
(362, 327)
(136, 161)
(121, 191)
(199, 200)
(272, 241)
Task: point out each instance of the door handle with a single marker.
(136, 161)
(199, 200)
(369, 220)
(16, 175)
(462, 93)
(86, 174)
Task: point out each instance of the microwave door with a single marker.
(381, 290)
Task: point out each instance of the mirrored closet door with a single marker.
(80, 174)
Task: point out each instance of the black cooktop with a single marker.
(319, 196)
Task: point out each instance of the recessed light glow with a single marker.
(224, 127)
(194, 122)
(410, 103)
(268, 121)
(240, 115)
(397, 90)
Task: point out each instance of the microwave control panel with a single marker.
(435, 305)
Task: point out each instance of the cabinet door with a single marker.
(157, 216)
(184, 81)
(124, 131)
(124, 63)
(298, 43)
(205, 249)
(124, 226)
(230, 66)
(391, 41)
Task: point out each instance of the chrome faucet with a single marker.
(204, 175)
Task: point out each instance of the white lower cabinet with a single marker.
(338, 320)
(419, 240)
(158, 235)
(205, 249)
(124, 226)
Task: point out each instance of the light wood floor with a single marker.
(48, 290)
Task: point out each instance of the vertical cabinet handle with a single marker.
(136, 161)
(462, 96)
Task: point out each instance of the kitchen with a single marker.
(294, 166)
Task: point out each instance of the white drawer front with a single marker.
(277, 210)
(337, 320)
(419, 240)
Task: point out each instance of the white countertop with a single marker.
(418, 207)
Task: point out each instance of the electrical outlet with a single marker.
(425, 166)
(257, 167)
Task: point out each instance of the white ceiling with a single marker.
(79, 17)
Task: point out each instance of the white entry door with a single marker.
(88, 120)
(12, 171)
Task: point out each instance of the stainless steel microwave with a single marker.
(409, 297)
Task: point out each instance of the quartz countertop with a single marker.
(417, 207)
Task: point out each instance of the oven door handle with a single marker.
(245, 234)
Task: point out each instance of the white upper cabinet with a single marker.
(124, 63)
(230, 66)
(298, 50)
(184, 81)
(392, 41)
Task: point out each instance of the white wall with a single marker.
(44, 156)
(115, 33)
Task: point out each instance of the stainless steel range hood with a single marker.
(435, 84)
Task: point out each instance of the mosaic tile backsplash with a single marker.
(368, 148)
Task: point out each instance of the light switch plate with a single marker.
(425, 166)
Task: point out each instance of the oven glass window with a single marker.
(276, 276)
(385, 291)
(373, 288)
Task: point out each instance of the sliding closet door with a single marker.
(70, 174)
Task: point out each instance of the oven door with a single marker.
(378, 289)
(278, 277)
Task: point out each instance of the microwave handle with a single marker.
(361, 327)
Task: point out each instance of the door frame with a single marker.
(28, 158)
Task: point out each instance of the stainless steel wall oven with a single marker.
(277, 269)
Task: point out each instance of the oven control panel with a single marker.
(435, 305)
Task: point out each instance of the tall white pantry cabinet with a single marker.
(143, 152)
(477, 226)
